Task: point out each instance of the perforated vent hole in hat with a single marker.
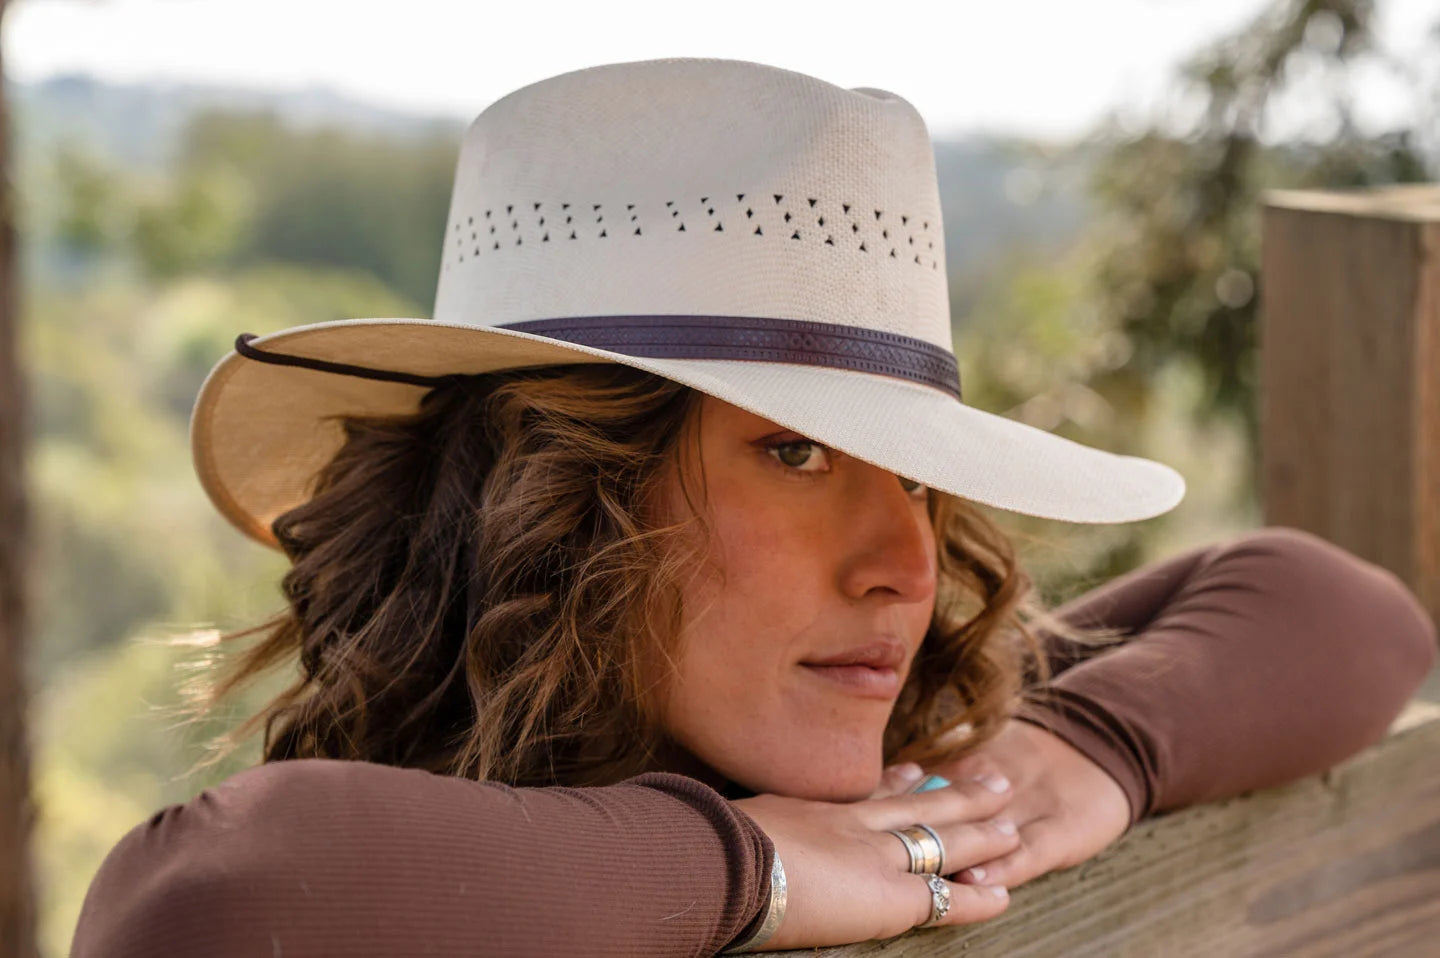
(839, 225)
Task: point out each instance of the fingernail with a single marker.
(929, 784)
(908, 771)
(996, 783)
(976, 874)
(1004, 826)
(999, 891)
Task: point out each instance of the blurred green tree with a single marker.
(205, 219)
(1177, 257)
(326, 197)
(1166, 278)
(93, 220)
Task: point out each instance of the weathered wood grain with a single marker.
(1346, 864)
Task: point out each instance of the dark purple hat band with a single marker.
(702, 337)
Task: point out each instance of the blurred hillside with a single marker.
(140, 125)
(1104, 289)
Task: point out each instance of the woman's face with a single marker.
(793, 650)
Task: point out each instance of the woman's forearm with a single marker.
(1253, 662)
(330, 857)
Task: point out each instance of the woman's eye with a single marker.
(909, 485)
(801, 455)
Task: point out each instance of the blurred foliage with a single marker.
(1179, 265)
(115, 367)
(1137, 337)
(151, 275)
(247, 189)
(207, 219)
(259, 191)
(1165, 283)
(117, 745)
(90, 219)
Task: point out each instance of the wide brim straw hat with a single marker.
(760, 235)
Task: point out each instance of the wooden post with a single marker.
(17, 904)
(1338, 864)
(1350, 374)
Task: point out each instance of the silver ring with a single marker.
(939, 899)
(939, 849)
(912, 848)
(927, 852)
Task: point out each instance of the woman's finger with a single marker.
(974, 842)
(969, 800)
(1012, 868)
(968, 903)
(897, 779)
(1041, 850)
(966, 843)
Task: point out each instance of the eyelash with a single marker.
(772, 448)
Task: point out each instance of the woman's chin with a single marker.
(828, 784)
(844, 792)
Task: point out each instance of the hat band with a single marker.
(700, 337)
(755, 338)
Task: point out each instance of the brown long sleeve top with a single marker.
(1249, 663)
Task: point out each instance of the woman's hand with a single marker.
(848, 880)
(1068, 808)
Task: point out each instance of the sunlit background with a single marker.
(192, 169)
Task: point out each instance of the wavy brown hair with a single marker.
(482, 588)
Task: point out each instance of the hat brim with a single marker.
(261, 432)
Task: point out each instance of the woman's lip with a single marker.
(861, 680)
(880, 654)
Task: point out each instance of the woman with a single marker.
(632, 595)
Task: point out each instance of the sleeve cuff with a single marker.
(1099, 736)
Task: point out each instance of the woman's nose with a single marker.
(889, 544)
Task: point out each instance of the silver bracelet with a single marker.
(773, 915)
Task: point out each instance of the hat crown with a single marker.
(697, 187)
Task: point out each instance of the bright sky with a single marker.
(1036, 67)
